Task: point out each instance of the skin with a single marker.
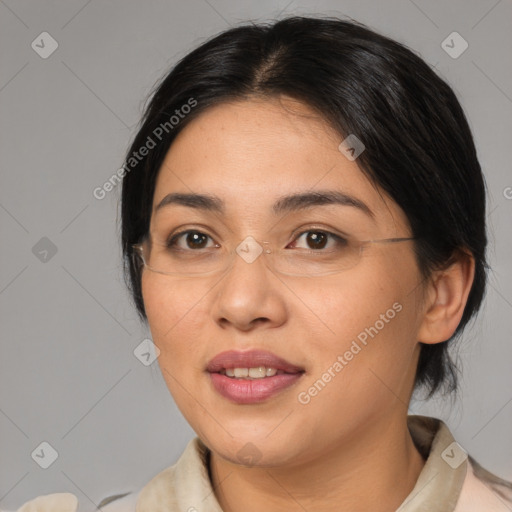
(348, 448)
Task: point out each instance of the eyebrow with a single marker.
(285, 204)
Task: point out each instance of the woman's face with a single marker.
(351, 335)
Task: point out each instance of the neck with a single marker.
(374, 470)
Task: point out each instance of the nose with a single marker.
(249, 295)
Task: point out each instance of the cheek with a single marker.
(173, 310)
(368, 322)
(175, 315)
(345, 307)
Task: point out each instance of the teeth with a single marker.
(241, 372)
(259, 372)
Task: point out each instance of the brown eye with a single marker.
(318, 240)
(192, 240)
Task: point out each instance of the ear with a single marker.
(446, 297)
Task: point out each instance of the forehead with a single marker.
(252, 152)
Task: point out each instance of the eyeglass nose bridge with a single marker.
(267, 249)
(250, 250)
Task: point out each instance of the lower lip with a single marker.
(245, 391)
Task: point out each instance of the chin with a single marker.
(252, 455)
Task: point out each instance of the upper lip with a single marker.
(250, 359)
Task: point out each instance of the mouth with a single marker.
(251, 377)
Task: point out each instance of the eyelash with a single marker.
(340, 240)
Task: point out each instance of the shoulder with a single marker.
(160, 494)
(56, 502)
(482, 490)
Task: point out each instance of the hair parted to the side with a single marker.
(419, 147)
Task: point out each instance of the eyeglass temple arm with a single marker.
(388, 240)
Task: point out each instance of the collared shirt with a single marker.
(450, 481)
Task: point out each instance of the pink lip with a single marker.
(245, 391)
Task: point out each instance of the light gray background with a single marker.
(68, 374)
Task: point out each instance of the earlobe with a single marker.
(446, 299)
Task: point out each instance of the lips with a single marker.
(244, 391)
(250, 359)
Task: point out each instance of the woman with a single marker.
(303, 226)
